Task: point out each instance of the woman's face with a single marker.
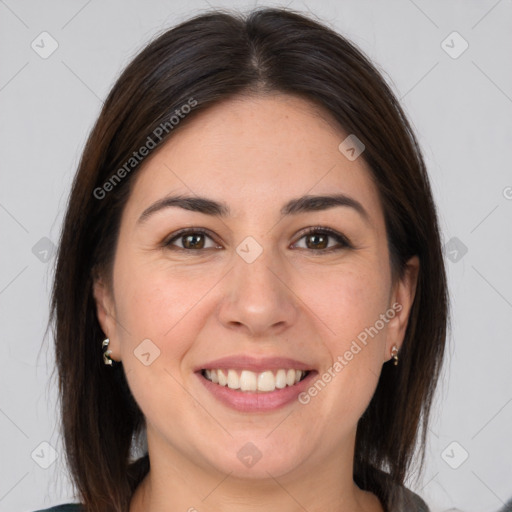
(249, 292)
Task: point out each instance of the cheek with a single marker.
(158, 318)
(350, 308)
(153, 299)
(346, 301)
(168, 306)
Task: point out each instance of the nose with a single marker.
(258, 298)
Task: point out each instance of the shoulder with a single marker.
(507, 507)
(68, 507)
(410, 501)
(395, 497)
(402, 499)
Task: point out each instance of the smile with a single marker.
(249, 381)
(252, 384)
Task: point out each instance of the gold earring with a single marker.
(394, 354)
(106, 354)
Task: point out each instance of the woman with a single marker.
(251, 240)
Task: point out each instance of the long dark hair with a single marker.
(209, 58)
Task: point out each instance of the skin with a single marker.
(254, 153)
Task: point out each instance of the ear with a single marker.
(402, 297)
(105, 312)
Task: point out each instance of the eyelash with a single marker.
(341, 239)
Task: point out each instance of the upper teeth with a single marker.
(251, 381)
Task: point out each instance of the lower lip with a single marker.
(246, 401)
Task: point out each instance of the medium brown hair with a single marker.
(209, 58)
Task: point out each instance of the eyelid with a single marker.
(186, 231)
(339, 237)
(343, 241)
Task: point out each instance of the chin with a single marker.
(258, 457)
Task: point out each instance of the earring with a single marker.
(394, 354)
(106, 354)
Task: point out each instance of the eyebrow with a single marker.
(302, 204)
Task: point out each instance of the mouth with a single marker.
(251, 384)
(249, 381)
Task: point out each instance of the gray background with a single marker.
(461, 109)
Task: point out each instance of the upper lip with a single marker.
(245, 362)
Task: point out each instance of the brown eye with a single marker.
(190, 240)
(195, 241)
(317, 240)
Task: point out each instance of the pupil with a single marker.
(193, 241)
(316, 237)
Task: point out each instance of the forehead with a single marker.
(253, 153)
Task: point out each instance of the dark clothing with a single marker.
(409, 502)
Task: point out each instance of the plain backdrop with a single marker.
(457, 91)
